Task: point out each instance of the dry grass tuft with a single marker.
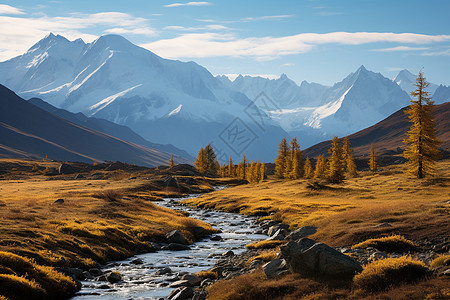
(265, 256)
(109, 195)
(441, 260)
(207, 274)
(386, 273)
(393, 243)
(264, 245)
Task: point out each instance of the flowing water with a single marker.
(141, 282)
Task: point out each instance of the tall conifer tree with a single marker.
(280, 161)
(336, 162)
(321, 167)
(309, 172)
(422, 150)
(373, 166)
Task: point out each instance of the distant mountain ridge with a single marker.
(27, 131)
(118, 131)
(181, 103)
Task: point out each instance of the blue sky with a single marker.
(314, 40)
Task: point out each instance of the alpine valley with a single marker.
(183, 104)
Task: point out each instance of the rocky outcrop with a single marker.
(318, 260)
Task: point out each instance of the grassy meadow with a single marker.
(350, 212)
(100, 220)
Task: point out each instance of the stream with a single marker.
(141, 282)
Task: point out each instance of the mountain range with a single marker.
(183, 104)
(27, 131)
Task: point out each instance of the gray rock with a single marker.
(228, 253)
(163, 271)
(113, 277)
(59, 201)
(198, 231)
(101, 278)
(176, 237)
(95, 272)
(180, 283)
(155, 246)
(206, 282)
(75, 272)
(216, 238)
(181, 294)
(177, 247)
(273, 268)
(319, 260)
(277, 236)
(65, 169)
(87, 275)
(193, 279)
(301, 232)
(137, 261)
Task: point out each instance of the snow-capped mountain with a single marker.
(406, 80)
(283, 91)
(181, 103)
(360, 100)
(164, 101)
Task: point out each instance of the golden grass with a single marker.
(392, 243)
(265, 256)
(347, 213)
(207, 274)
(264, 244)
(30, 277)
(441, 260)
(386, 273)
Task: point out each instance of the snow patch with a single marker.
(176, 110)
(105, 102)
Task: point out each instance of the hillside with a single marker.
(387, 135)
(27, 131)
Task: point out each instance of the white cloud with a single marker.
(437, 53)
(194, 45)
(188, 4)
(287, 65)
(9, 10)
(21, 32)
(400, 48)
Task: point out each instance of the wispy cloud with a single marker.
(437, 53)
(20, 32)
(188, 4)
(194, 45)
(400, 48)
(10, 10)
(329, 13)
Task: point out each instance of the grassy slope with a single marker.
(347, 213)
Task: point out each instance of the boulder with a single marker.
(137, 261)
(175, 236)
(274, 267)
(113, 277)
(193, 279)
(75, 272)
(301, 233)
(277, 236)
(216, 238)
(319, 260)
(95, 271)
(59, 201)
(181, 294)
(228, 253)
(177, 247)
(87, 275)
(180, 283)
(198, 231)
(65, 169)
(163, 271)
